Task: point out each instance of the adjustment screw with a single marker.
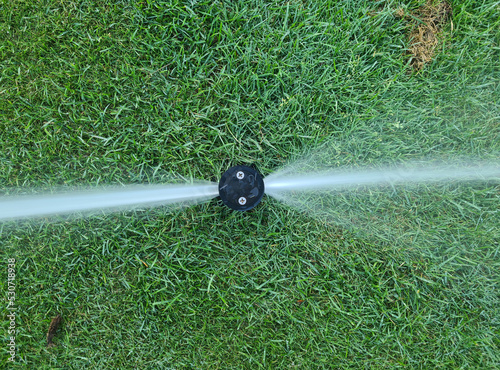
(242, 201)
(240, 175)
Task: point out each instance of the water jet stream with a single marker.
(331, 180)
(109, 199)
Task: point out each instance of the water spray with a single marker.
(240, 188)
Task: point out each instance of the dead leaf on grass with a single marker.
(54, 325)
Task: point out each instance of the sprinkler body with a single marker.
(241, 188)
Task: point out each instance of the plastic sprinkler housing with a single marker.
(241, 188)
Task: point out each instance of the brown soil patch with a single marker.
(428, 22)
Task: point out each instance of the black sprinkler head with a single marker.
(241, 188)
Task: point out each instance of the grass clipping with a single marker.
(429, 20)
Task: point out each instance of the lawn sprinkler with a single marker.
(241, 188)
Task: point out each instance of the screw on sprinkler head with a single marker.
(241, 188)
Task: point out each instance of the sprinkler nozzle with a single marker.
(241, 188)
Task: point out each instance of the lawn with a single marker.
(127, 92)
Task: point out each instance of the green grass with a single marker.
(107, 92)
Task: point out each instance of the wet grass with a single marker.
(129, 91)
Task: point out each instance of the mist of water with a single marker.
(418, 204)
(108, 199)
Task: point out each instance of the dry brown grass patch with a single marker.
(428, 21)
